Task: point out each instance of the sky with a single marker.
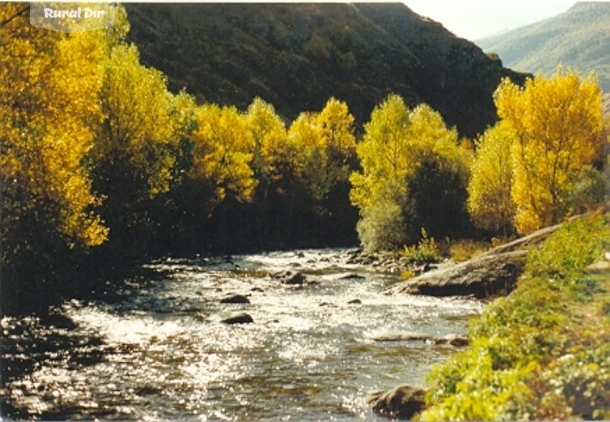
(475, 19)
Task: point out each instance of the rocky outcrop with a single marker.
(482, 277)
(402, 402)
(490, 274)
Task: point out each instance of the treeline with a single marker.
(543, 161)
(102, 166)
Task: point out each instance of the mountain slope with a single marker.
(578, 38)
(297, 56)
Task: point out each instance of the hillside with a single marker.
(297, 56)
(578, 38)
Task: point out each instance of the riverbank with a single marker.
(543, 352)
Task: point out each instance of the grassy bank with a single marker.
(544, 351)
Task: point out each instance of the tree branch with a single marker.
(16, 15)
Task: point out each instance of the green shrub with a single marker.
(382, 227)
(529, 355)
(568, 252)
(605, 307)
(574, 385)
(473, 389)
(426, 251)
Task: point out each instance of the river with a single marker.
(157, 348)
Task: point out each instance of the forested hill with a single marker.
(296, 56)
(578, 38)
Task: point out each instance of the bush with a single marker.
(575, 384)
(426, 251)
(382, 227)
(567, 254)
(530, 357)
(407, 274)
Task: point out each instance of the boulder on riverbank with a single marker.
(482, 277)
(402, 402)
(490, 274)
(450, 339)
(401, 336)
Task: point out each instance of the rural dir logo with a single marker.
(72, 17)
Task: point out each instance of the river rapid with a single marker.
(157, 348)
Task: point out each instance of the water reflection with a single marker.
(161, 352)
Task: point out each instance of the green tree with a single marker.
(410, 161)
(489, 201)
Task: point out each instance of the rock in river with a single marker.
(402, 402)
(352, 276)
(292, 278)
(237, 318)
(402, 336)
(482, 277)
(240, 299)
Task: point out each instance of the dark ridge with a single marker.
(296, 56)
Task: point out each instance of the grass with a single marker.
(463, 250)
(544, 351)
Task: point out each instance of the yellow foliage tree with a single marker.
(339, 142)
(324, 144)
(383, 155)
(489, 190)
(558, 127)
(307, 141)
(223, 148)
(49, 115)
(337, 125)
(269, 135)
(144, 121)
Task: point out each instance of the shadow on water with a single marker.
(31, 342)
(48, 338)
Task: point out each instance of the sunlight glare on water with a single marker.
(310, 354)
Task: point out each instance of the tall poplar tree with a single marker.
(558, 129)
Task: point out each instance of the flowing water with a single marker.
(158, 349)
